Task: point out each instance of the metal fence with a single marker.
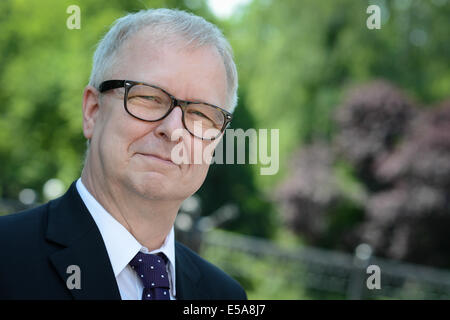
(324, 274)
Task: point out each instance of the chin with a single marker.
(153, 185)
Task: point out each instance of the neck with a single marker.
(148, 220)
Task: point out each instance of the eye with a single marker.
(146, 99)
(151, 98)
(198, 113)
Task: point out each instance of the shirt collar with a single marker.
(120, 244)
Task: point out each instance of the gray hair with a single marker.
(165, 24)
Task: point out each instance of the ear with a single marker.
(90, 110)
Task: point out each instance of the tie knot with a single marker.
(151, 269)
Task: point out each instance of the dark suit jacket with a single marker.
(37, 246)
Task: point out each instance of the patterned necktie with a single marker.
(151, 269)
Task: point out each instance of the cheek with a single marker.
(118, 135)
(200, 152)
(194, 177)
(130, 129)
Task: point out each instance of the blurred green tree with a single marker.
(296, 56)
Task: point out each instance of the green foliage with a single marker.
(295, 57)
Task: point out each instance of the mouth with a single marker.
(158, 158)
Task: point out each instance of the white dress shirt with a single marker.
(122, 246)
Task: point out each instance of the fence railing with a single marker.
(329, 274)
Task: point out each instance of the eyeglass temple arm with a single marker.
(111, 84)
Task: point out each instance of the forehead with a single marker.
(188, 73)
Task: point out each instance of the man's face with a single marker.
(126, 152)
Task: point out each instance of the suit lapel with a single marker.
(70, 224)
(187, 275)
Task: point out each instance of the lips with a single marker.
(158, 157)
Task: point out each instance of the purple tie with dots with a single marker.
(151, 269)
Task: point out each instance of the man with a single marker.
(161, 79)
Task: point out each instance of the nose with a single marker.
(173, 121)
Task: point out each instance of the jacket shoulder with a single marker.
(214, 281)
(23, 223)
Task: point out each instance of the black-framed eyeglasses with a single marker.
(150, 103)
